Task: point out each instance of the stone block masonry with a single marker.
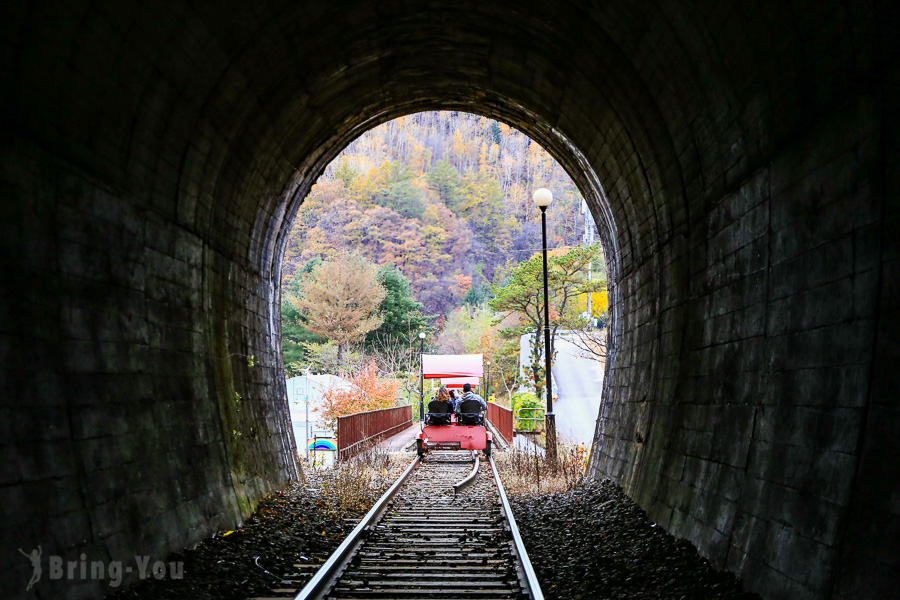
(740, 160)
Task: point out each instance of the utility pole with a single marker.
(306, 441)
(421, 376)
(588, 238)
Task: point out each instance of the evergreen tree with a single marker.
(494, 134)
(480, 290)
(444, 179)
(346, 173)
(523, 295)
(395, 190)
(403, 318)
(404, 199)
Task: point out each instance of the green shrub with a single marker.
(527, 400)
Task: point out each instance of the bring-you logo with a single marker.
(113, 571)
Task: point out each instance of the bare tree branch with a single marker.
(591, 342)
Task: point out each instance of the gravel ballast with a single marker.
(301, 525)
(594, 543)
(591, 543)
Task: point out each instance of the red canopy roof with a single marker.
(458, 382)
(435, 366)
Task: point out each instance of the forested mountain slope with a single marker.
(443, 196)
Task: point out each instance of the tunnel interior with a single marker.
(739, 161)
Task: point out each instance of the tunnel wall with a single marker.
(739, 160)
(748, 398)
(142, 400)
(118, 437)
(748, 445)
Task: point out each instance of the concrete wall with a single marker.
(739, 160)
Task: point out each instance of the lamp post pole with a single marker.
(421, 376)
(542, 198)
(487, 382)
(307, 413)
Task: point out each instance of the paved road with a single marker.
(578, 383)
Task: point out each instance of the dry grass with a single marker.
(529, 472)
(355, 484)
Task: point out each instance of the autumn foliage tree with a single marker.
(340, 299)
(367, 392)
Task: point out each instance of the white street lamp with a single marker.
(542, 198)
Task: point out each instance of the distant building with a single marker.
(308, 390)
(526, 343)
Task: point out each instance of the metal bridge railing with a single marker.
(502, 418)
(529, 424)
(355, 432)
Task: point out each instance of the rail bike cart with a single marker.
(442, 429)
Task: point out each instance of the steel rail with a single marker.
(324, 577)
(534, 587)
(458, 487)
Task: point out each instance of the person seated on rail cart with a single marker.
(442, 394)
(470, 407)
(440, 408)
(453, 400)
(468, 394)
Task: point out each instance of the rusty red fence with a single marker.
(502, 418)
(357, 431)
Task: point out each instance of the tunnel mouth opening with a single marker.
(594, 210)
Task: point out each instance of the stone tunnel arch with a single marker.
(746, 157)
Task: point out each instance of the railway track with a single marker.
(427, 538)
